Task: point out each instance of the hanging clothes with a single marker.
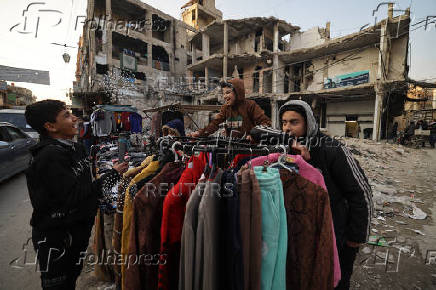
(207, 258)
(125, 122)
(127, 211)
(102, 123)
(172, 221)
(313, 175)
(251, 227)
(117, 118)
(135, 123)
(188, 240)
(118, 218)
(274, 229)
(310, 260)
(144, 238)
(233, 272)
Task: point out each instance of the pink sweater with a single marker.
(313, 175)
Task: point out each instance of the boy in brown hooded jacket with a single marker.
(240, 115)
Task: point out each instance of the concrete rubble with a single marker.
(402, 181)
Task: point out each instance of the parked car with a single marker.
(17, 118)
(14, 150)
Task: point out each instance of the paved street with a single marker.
(15, 212)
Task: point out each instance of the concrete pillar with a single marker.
(194, 54)
(327, 30)
(205, 45)
(206, 77)
(149, 37)
(108, 29)
(226, 49)
(304, 78)
(390, 11)
(383, 58)
(291, 79)
(377, 114)
(172, 55)
(274, 114)
(275, 71)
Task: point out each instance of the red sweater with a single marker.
(172, 222)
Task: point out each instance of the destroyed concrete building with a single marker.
(131, 53)
(356, 84)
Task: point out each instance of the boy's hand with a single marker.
(303, 150)
(121, 167)
(194, 134)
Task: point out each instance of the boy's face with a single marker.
(65, 126)
(229, 96)
(294, 124)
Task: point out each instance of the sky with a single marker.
(24, 50)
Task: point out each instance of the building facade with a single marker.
(132, 54)
(354, 83)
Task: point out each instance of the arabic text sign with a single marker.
(351, 79)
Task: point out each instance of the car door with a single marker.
(19, 143)
(6, 157)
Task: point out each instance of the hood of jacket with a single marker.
(45, 141)
(238, 85)
(311, 126)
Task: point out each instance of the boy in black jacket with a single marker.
(349, 191)
(63, 194)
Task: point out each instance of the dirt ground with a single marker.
(403, 226)
(403, 183)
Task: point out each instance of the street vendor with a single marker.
(239, 114)
(347, 186)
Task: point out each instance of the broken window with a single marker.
(189, 60)
(267, 82)
(128, 16)
(101, 69)
(257, 40)
(286, 80)
(161, 60)
(298, 77)
(269, 44)
(241, 73)
(161, 28)
(121, 43)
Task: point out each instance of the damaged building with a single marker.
(130, 53)
(356, 84)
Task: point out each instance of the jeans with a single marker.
(274, 229)
(59, 255)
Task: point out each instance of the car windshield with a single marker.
(16, 119)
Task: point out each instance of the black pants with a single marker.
(59, 255)
(347, 255)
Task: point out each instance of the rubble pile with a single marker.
(402, 181)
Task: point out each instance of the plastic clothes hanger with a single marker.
(173, 149)
(266, 163)
(280, 160)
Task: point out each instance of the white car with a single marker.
(17, 118)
